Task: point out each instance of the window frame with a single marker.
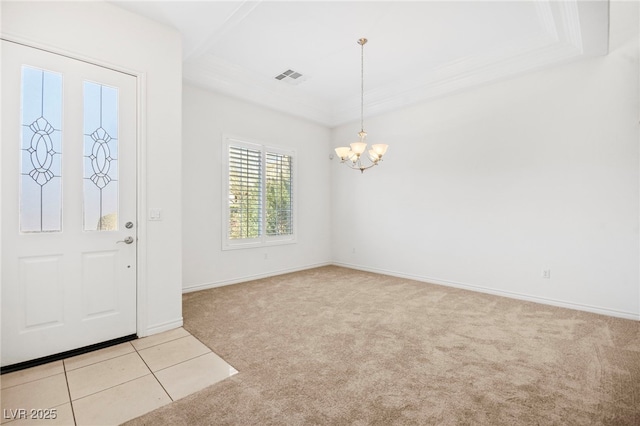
(262, 240)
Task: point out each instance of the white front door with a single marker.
(68, 204)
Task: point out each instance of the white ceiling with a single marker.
(417, 50)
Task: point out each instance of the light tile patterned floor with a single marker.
(111, 385)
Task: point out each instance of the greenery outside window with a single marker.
(258, 181)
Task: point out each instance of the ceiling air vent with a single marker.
(290, 76)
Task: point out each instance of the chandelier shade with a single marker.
(358, 147)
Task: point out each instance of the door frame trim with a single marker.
(141, 167)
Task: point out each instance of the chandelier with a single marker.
(352, 155)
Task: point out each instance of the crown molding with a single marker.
(238, 15)
(566, 31)
(216, 74)
(558, 40)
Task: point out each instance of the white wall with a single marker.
(108, 35)
(486, 189)
(206, 117)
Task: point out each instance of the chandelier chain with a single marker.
(362, 87)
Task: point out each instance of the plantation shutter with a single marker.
(245, 193)
(279, 207)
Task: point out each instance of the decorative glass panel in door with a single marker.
(41, 151)
(100, 157)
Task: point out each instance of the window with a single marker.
(259, 186)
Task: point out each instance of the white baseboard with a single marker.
(512, 295)
(245, 278)
(159, 328)
(430, 280)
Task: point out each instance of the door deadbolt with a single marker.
(128, 225)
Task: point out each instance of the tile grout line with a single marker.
(180, 362)
(137, 352)
(98, 362)
(161, 343)
(209, 351)
(187, 360)
(153, 373)
(110, 387)
(31, 381)
(66, 380)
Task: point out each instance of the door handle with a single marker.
(127, 240)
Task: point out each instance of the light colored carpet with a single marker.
(337, 346)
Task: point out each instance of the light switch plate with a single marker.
(155, 214)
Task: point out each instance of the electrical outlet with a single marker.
(546, 274)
